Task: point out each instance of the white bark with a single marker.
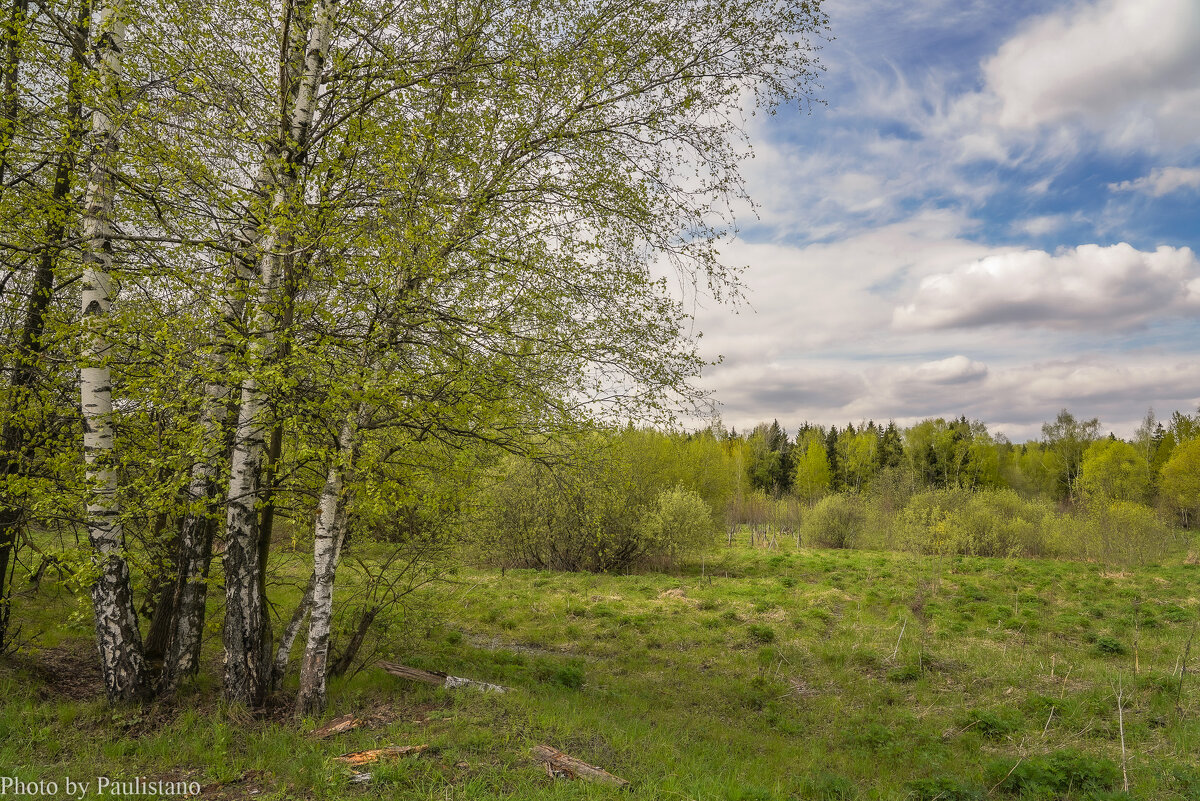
(287, 639)
(327, 539)
(195, 549)
(117, 637)
(247, 672)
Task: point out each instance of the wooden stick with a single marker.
(569, 765)
(337, 726)
(376, 754)
(436, 677)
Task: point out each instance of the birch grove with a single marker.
(346, 240)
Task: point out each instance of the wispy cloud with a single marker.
(1161, 181)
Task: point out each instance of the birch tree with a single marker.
(117, 635)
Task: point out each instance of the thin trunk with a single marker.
(15, 436)
(346, 659)
(288, 637)
(330, 531)
(163, 592)
(200, 524)
(283, 348)
(117, 637)
(13, 34)
(247, 660)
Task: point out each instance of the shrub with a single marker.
(587, 512)
(979, 523)
(1119, 533)
(679, 523)
(1110, 646)
(835, 522)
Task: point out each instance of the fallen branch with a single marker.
(438, 678)
(376, 754)
(337, 726)
(558, 763)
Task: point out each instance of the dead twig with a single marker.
(560, 764)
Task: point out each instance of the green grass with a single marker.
(793, 674)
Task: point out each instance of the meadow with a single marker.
(755, 675)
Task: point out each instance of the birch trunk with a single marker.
(328, 536)
(247, 646)
(117, 637)
(288, 638)
(199, 526)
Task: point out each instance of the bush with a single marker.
(979, 523)
(1119, 533)
(1110, 646)
(679, 523)
(589, 512)
(835, 522)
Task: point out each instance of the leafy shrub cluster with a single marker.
(837, 521)
(1000, 523)
(595, 508)
(972, 523)
(1118, 532)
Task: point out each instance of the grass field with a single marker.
(790, 674)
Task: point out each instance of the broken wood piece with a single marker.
(376, 754)
(337, 726)
(360, 777)
(438, 678)
(558, 763)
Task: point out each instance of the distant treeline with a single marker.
(643, 498)
(1071, 463)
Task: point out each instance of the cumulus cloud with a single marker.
(1088, 287)
(1162, 181)
(889, 275)
(1126, 66)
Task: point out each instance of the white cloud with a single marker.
(953, 370)
(1126, 68)
(862, 308)
(1162, 181)
(1014, 399)
(1039, 226)
(1088, 287)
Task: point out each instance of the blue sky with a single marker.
(995, 213)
